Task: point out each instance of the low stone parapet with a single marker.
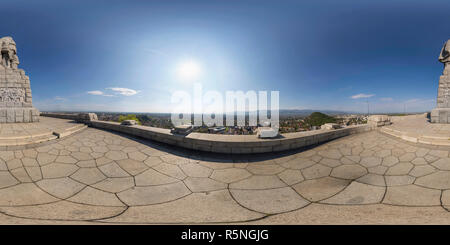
(78, 117)
(232, 144)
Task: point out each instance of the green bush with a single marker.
(129, 117)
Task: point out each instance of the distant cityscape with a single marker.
(289, 122)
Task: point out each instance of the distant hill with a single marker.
(307, 112)
(318, 119)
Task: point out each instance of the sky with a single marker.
(110, 55)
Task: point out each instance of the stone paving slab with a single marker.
(104, 177)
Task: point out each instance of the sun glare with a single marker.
(189, 70)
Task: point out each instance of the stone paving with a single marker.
(97, 176)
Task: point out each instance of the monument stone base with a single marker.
(440, 115)
(19, 115)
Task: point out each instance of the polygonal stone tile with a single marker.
(442, 164)
(29, 162)
(264, 169)
(316, 171)
(298, 163)
(100, 149)
(258, 182)
(330, 162)
(372, 179)
(96, 197)
(61, 187)
(419, 171)
(152, 161)
(132, 167)
(389, 161)
(170, 170)
(66, 159)
(203, 184)
(412, 195)
(357, 150)
(87, 164)
(397, 152)
(14, 163)
(381, 170)
(332, 153)
(153, 194)
(88, 176)
(196, 170)
(24, 194)
(138, 156)
(216, 165)
(407, 157)
(348, 171)
(153, 177)
(116, 155)
(113, 170)
(291, 176)
(81, 156)
(383, 153)
(58, 170)
(6, 179)
(431, 158)
(419, 161)
(7, 155)
(3, 165)
(102, 161)
(437, 180)
(85, 149)
(445, 199)
(174, 159)
(421, 152)
(439, 153)
(45, 158)
(217, 206)
(230, 175)
(401, 168)
(399, 180)
(318, 189)
(115, 185)
(370, 161)
(269, 201)
(357, 193)
(34, 173)
(21, 175)
(367, 153)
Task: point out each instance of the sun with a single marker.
(189, 70)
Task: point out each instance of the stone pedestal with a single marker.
(15, 92)
(441, 114)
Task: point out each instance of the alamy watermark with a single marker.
(236, 108)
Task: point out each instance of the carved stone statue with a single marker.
(444, 57)
(441, 114)
(15, 92)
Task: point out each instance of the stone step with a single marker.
(69, 131)
(27, 141)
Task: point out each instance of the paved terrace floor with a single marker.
(420, 130)
(98, 177)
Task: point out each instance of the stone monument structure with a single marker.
(441, 114)
(15, 92)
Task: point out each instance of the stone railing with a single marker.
(231, 144)
(78, 117)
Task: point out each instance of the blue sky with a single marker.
(125, 55)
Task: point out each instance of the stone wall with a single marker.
(231, 144)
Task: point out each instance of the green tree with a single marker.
(129, 117)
